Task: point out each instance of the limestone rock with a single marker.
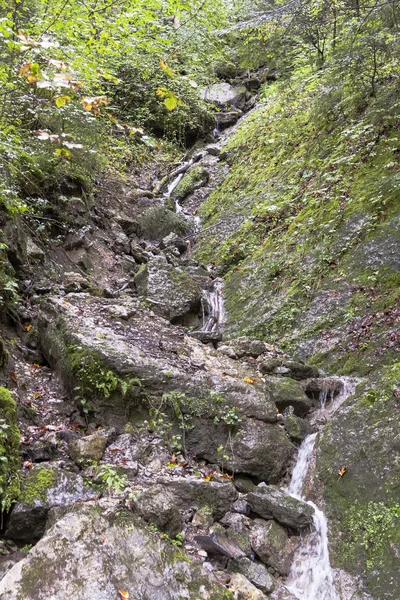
(88, 448)
(87, 554)
(259, 449)
(288, 392)
(243, 346)
(224, 94)
(191, 491)
(157, 507)
(243, 589)
(44, 487)
(269, 502)
(255, 572)
(171, 291)
(273, 545)
(238, 529)
(294, 369)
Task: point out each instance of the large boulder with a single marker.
(92, 553)
(44, 487)
(269, 502)
(273, 546)
(288, 392)
(165, 503)
(262, 450)
(170, 291)
(225, 94)
(157, 222)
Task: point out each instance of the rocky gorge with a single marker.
(170, 449)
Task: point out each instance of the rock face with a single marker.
(44, 488)
(269, 502)
(85, 554)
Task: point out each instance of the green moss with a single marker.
(37, 484)
(195, 178)
(9, 450)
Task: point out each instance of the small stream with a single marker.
(311, 576)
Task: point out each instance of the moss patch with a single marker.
(9, 450)
(37, 484)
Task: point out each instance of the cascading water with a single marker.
(213, 308)
(311, 576)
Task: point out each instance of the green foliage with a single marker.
(10, 479)
(112, 478)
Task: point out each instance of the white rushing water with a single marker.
(311, 576)
(213, 307)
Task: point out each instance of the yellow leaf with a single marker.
(124, 595)
(248, 380)
(166, 68)
(31, 79)
(171, 102)
(62, 101)
(25, 68)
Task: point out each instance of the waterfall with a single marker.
(311, 576)
(213, 308)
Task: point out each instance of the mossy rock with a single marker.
(158, 222)
(9, 450)
(197, 177)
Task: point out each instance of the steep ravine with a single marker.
(158, 455)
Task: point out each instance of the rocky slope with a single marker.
(156, 454)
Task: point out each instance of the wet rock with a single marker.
(219, 545)
(171, 291)
(225, 119)
(322, 389)
(255, 572)
(282, 593)
(273, 545)
(91, 553)
(269, 502)
(43, 488)
(288, 392)
(288, 368)
(227, 351)
(296, 427)
(224, 94)
(75, 282)
(243, 589)
(90, 448)
(259, 449)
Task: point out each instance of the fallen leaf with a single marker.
(248, 380)
(124, 595)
